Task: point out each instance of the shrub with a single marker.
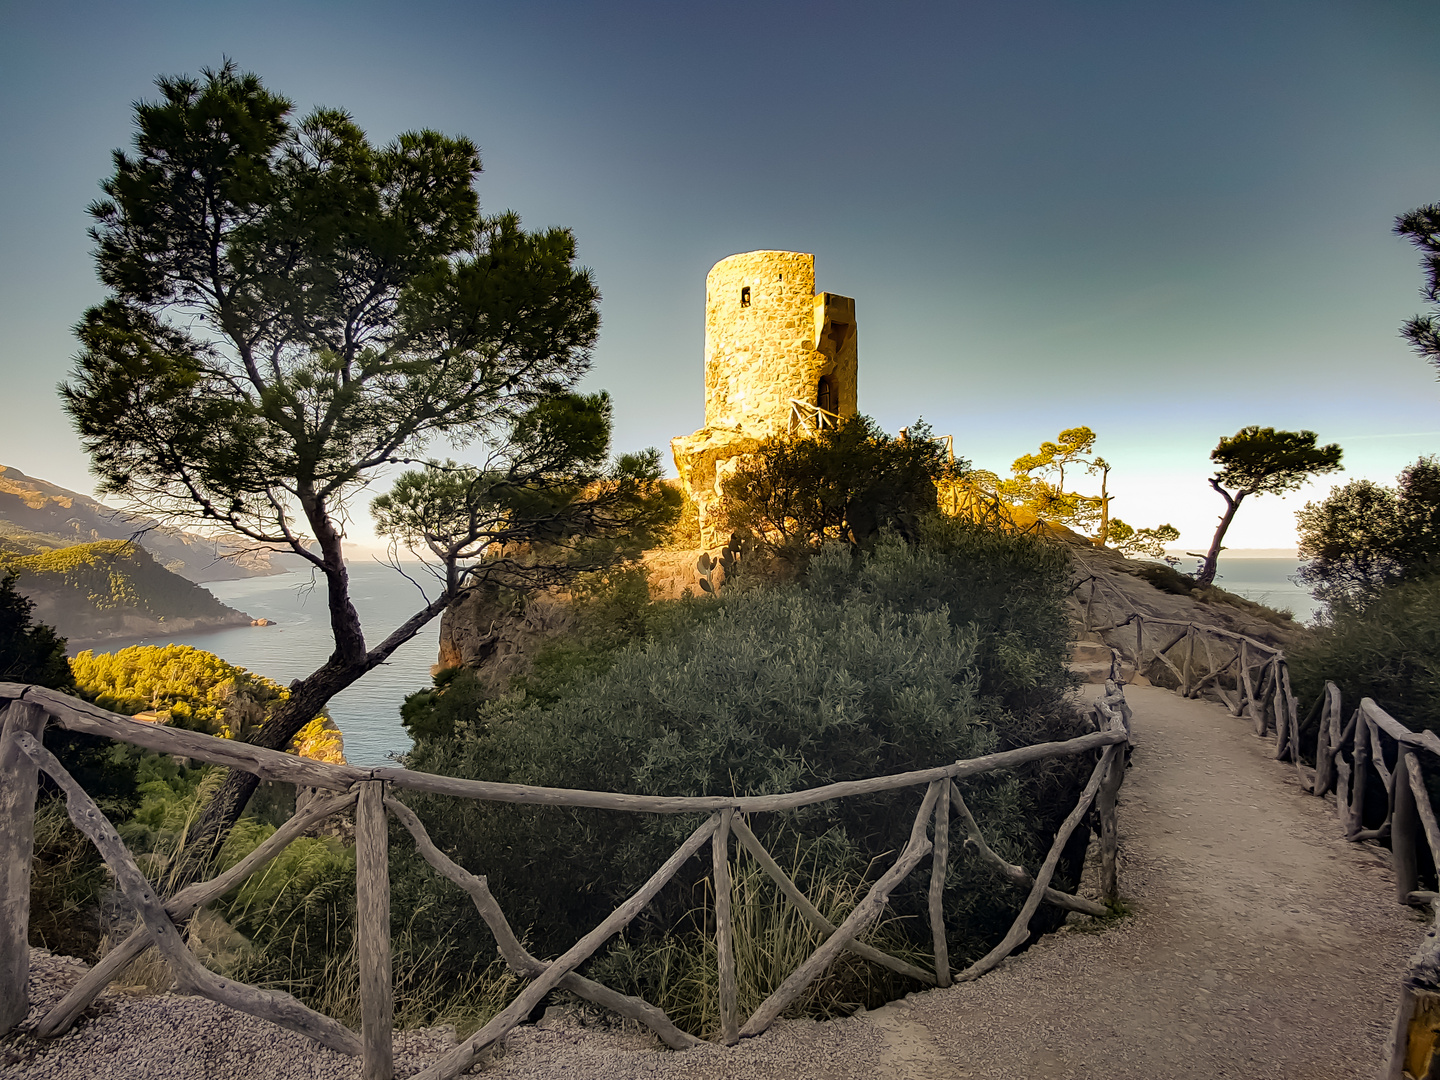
(1364, 536)
(872, 664)
(1388, 650)
(30, 652)
(196, 690)
(844, 483)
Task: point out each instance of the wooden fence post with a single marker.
(372, 918)
(1404, 830)
(939, 857)
(725, 930)
(1105, 800)
(1324, 753)
(1360, 755)
(1413, 1042)
(18, 781)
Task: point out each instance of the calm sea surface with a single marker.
(1266, 581)
(369, 712)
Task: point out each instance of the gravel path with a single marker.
(1262, 944)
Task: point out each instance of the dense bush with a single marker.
(1364, 536)
(845, 483)
(906, 657)
(30, 652)
(1388, 650)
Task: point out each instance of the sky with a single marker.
(1165, 221)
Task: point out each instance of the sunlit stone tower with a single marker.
(779, 359)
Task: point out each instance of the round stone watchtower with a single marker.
(780, 359)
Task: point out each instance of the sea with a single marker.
(1266, 581)
(368, 713)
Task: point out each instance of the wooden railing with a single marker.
(1350, 755)
(807, 418)
(370, 794)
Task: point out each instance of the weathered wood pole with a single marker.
(862, 916)
(1189, 661)
(1139, 645)
(724, 930)
(372, 922)
(811, 914)
(1105, 800)
(18, 781)
(1324, 752)
(1247, 690)
(1423, 807)
(1361, 776)
(939, 858)
(191, 976)
(1264, 697)
(1404, 830)
(463, 1056)
(1281, 708)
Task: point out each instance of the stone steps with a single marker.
(1091, 661)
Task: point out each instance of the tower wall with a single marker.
(770, 342)
(769, 339)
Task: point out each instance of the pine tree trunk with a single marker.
(307, 698)
(1206, 576)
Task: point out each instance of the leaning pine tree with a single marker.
(293, 309)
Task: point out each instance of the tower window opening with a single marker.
(745, 296)
(825, 396)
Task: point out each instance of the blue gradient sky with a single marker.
(1162, 220)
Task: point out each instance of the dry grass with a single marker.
(771, 939)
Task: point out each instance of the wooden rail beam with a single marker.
(517, 957)
(812, 914)
(465, 1055)
(192, 976)
(1021, 927)
(181, 906)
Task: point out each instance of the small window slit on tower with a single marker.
(745, 296)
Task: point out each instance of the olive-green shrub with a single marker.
(908, 656)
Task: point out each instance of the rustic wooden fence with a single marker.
(1351, 756)
(370, 794)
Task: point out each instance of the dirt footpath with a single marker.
(1261, 945)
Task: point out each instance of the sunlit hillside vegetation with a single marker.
(193, 689)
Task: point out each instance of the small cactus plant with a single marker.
(725, 563)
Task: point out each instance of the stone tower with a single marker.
(780, 359)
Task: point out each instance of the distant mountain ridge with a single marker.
(111, 590)
(37, 516)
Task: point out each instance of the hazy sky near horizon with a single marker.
(1162, 220)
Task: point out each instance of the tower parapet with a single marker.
(779, 359)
